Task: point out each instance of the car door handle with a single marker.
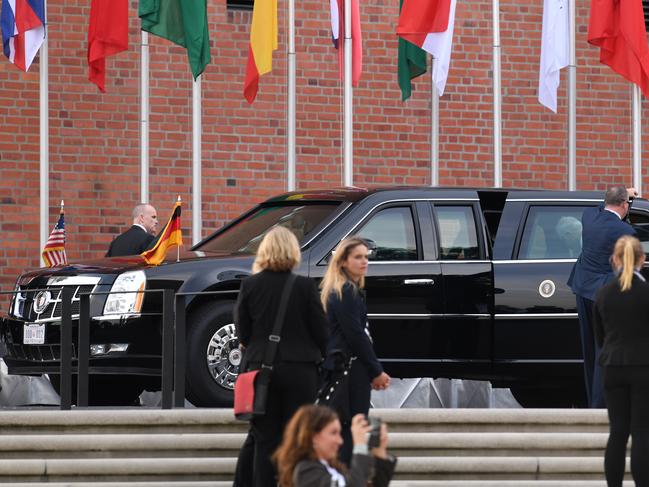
(427, 282)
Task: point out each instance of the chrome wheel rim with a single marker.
(224, 357)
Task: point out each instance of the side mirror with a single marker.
(371, 247)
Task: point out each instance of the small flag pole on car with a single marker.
(178, 246)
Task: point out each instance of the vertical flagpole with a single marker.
(43, 66)
(290, 170)
(434, 126)
(637, 139)
(197, 129)
(572, 100)
(498, 180)
(144, 118)
(348, 172)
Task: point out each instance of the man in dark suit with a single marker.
(601, 227)
(136, 239)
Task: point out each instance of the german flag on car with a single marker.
(169, 236)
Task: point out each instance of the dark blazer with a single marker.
(313, 473)
(600, 231)
(348, 319)
(133, 241)
(621, 322)
(305, 331)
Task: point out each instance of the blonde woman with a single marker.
(343, 298)
(621, 322)
(303, 339)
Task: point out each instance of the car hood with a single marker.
(118, 265)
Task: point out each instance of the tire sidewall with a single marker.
(203, 323)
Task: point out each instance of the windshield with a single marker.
(246, 235)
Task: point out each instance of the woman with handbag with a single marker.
(621, 326)
(344, 301)
(287, 349)
(307, 456)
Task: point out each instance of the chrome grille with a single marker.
(53, 311)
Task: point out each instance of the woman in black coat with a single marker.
(621, 326)
(294, 378)
(343, 299)
(307, 456)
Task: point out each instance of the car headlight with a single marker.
(17, 301)
(122, 299)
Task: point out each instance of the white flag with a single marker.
(555, 50)
(440, 45)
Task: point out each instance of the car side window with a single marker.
(393, 231)
(458, 237)
(552, 232)
(640, 223)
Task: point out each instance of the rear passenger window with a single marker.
(640, 223)
(552, 232)
(458, 238)
(393, 232)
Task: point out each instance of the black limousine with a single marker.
(463, 283)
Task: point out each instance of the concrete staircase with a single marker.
(198, 447)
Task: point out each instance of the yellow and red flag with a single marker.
(263, 41)
(169, 236)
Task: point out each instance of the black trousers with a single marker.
(590, 350)
(627, 396)
(292, 385)
(354, 399)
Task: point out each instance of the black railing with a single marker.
(173, 315)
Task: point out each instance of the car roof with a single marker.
(352, 194)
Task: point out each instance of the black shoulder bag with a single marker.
(251, 388)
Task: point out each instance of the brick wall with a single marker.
(94, 137)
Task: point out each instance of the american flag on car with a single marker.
(54, 250)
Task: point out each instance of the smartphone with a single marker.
(374, 436)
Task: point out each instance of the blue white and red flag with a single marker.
(338, 30)
(54, 250)
(23, 30)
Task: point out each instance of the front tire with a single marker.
(213, 356)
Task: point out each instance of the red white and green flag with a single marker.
(428, 24)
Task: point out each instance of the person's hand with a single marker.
(632, 192)
(381, 451)
(381, 382)
(360, 429)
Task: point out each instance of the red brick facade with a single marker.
(94, 137)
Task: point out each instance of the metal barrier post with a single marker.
(66, 348)
(167, 347)
(83, 351)
(179, 353)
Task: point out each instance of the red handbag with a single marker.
(244, 395)
(251, 388)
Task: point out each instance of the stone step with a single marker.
(495, 420)
(205, 420)
(408, 468)
(503, 483)
(227, 444)
(121, 445)
(196, 483)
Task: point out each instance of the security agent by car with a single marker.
(463, 283)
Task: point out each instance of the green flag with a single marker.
(412, 63)
(183, 22)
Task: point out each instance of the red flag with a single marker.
(107, 35)
(419, 18)
(617, 27)
(357, 41)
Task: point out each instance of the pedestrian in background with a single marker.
(294, 378)
(621, 319)
(601, 227)
(343, 298)
(307, 456)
